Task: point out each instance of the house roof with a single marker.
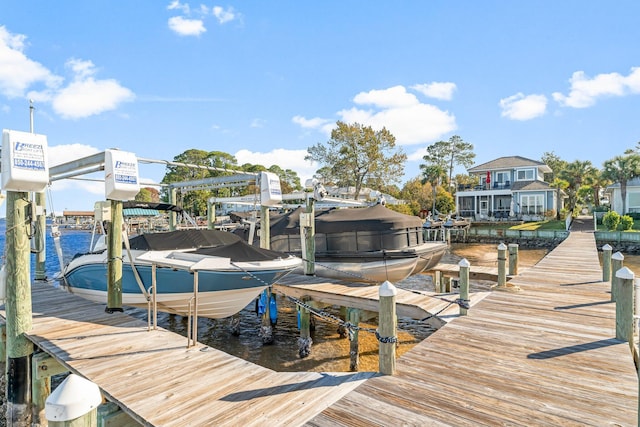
(633, 182)
(509, 162)
(530, 186)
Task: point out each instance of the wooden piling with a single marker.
(387, 329)
(606, 262)
(211, 215)
(502, 271)
(18, 310)
(310, 239)
(173, 198)
(513, 259)
(617, 261)
(464, 283)
(304, 341)
(353, 317)
(624, 305)
(114, 262)
(265, 228)
(43, 367)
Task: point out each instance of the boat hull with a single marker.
(220, 293)
(378, 271)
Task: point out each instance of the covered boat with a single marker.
(370, 244)
(231, 273)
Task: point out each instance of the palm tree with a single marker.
(622, 169)
(575, 174)
(597, 182)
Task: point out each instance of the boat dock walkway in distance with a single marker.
(546, 355)
(412, 304)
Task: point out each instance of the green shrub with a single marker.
(601, 208)
(611, 220)
(626, 223)
(634, 215)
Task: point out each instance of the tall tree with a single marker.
(356, 155)
(597, 181)
(556, 164)
(449, 154)
(575, 174)
(199, 162)
(622, 169)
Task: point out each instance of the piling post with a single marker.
(173, 198)
(43, 367)
(40, 236)
(304, 341)
(464, 283)
(267, 326)
(310, 238)
(437, 281)
(606, 262)
(387, 335)
(18, 310)
(114, 261)
(624, 305)
(513, 259)
(211, 215)
(502, 271)
(617, 260)
(353, 317)
(265, 230)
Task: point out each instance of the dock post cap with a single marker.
(618, 256)
(607, 247)
(387, 289)
(625, 273)
(464, 263)
(511, 245)
(502, 247)
(73, 398)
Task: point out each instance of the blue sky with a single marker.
(265, 80)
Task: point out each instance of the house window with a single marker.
(532, 205)
(502, 177)
(634, 202)
(525, 175)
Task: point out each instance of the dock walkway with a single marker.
(154, 378)
(544, 356)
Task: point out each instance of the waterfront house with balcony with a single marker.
(508, 188)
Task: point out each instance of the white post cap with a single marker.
(625, 273)
(502, 247)
(464, 263)
(607, 247)
(73, 398)
(387, 289)
(618, 256)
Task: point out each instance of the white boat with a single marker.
(226, 273)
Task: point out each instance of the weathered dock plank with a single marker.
(544, 356)
(153, 377)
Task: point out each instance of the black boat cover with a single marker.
(373, 218)
(204, 242)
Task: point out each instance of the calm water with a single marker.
(330, 352)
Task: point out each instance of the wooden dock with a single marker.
(154, 378)
(544, 356)
(476, 272)
(412, 304)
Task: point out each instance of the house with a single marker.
(508, 187)
(632, 202)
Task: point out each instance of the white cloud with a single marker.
(393, 97)
(521, 107)
(258, 123)
(585, 91)
(176, 5)
(186, 27)
(223, 15)
(86, 96)
(17, 72)
(437, 90)
(314, 123)
(399, 111)
(286, 159)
